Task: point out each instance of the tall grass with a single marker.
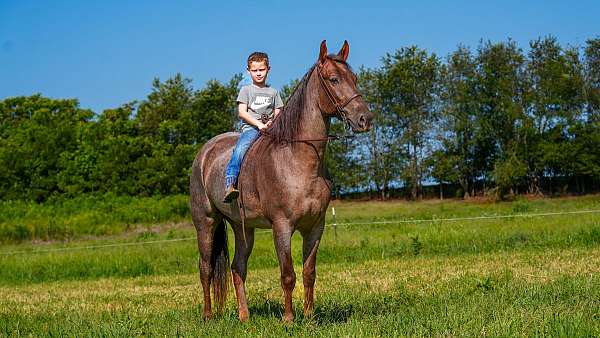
(101, 215)
(96, 215)
(351, 243)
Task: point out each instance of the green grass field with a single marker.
(532, 276)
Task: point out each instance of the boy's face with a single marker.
(258, 70)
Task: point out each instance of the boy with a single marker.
(254, 101)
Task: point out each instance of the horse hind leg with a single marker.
(239, 267)
(213, 263)
(213, 260)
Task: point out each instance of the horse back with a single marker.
(208, 170)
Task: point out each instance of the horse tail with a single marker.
(220, 266)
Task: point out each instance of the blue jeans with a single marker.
(246, 139)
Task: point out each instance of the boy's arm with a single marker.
(243, 114)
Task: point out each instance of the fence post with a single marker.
(334, 223)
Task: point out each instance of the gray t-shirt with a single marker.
(260, 101)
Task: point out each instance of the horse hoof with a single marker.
(207, 316)
(288, 319)
(243, 317)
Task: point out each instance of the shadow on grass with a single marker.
(266, 308)
(332, 313)
(323, 314)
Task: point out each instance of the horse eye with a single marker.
(334, 80)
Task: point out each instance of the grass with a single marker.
(501, 277)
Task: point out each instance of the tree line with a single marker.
(53, 147)
(493, 120)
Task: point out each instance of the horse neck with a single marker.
(313, 126)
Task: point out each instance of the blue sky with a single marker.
(106, 53)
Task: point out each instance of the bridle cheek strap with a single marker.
(340, 108)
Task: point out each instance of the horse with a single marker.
(282, 185)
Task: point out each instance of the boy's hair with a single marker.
(258, 57)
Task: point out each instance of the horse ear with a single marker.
(323, 52)
(343, 53)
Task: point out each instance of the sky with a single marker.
(106, 53)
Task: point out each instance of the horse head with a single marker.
(338, 95)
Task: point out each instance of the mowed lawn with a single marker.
(534, 275)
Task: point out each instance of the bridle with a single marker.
(340, 108)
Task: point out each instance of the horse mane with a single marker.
(286, 125)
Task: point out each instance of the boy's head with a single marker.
(258, 67)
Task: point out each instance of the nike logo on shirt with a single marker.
(254, 106)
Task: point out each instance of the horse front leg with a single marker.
(239, 268)
(282, 235)
(310, 246)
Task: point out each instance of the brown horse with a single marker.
(282, 185)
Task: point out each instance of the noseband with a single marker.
(340, 108)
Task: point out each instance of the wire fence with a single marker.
(334, 225)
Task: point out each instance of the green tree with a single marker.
(592, 78)
(410, 90)
(36, 136)
(556, 101)
(384, 156)
(461, 158)
(288, 89)
(502, 92)
(119, 145)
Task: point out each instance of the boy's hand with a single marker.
(269, 123)
(262, 126)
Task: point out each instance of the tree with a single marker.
(410, 90)
(592, 78)
(460, 159)
(174, 121)
(556, 101)
(288, 89)
(502, 94)
(37, 134)
(382, 155)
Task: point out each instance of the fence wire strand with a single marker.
(261, 231)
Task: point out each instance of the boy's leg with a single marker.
(233, 167)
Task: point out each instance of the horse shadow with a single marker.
(328, 313)
(338, 308)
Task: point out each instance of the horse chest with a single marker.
(308, 199)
